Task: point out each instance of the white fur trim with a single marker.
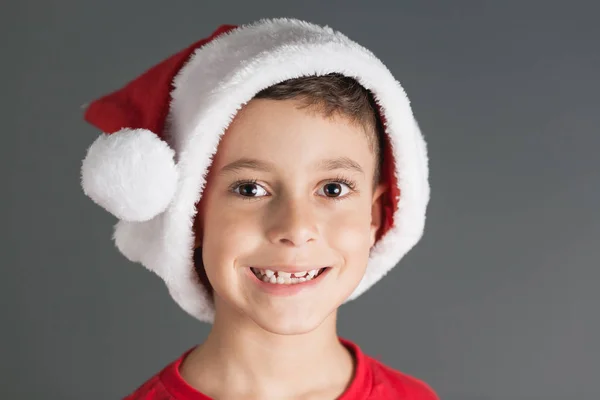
(131, 173)
(225, 74)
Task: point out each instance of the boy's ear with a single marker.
(376, 211)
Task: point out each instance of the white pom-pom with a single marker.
(130, 173)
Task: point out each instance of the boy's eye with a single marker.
(250, 189)
(334, 189)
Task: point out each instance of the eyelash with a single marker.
(339, 179)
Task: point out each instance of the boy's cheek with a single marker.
(351, 226)
(351, 242)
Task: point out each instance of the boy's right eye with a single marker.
(249, 189)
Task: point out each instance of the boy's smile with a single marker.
(288, 215)
(285, 275)
(281, 283)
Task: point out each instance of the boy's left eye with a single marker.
(334, 189)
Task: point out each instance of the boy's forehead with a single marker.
(273, 130)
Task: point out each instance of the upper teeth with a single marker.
(283, 277)
(284, 274)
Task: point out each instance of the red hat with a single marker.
(161, 130)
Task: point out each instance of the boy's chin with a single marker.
(291, 323)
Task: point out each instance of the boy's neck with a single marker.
(239, 359)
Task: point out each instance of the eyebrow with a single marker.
(265, 166)
(340, 163)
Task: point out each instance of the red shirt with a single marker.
(372, 381)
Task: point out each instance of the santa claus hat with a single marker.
(161, 131)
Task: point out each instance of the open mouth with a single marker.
(287, 278)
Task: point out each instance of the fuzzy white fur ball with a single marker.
(130, 173)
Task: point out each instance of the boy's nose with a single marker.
(293, 223)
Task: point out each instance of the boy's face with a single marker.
(287, 210)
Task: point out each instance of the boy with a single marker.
(267, 174)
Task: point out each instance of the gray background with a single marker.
(499, 299)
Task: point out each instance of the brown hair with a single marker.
(331, 94)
